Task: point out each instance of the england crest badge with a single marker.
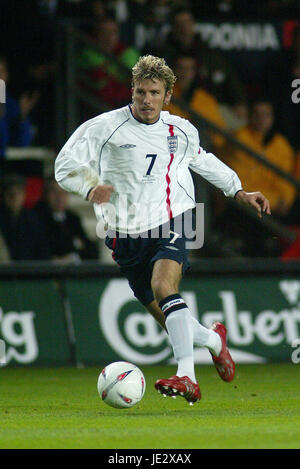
(172, 143)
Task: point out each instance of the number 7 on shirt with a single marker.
(151, 163)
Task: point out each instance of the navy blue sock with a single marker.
(172, 303)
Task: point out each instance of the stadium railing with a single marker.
(215, 267)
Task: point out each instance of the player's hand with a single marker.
(100, 194)
(256, 200)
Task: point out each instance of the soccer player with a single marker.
(133, 165)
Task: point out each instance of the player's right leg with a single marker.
(165, 281)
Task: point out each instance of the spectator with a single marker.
(215, 73)
(29, 30)
(21, 228)
(107, 80)
(246, 234)
(282, 69)
(186, 88)
(67, 239)
(15, 126)
(259, 135)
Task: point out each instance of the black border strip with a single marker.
(200, 268)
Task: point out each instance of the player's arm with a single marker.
(75, 167)
(100, 194)
(256, 200)
(221, 176)
(216, 172)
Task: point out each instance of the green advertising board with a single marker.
(261, 313)
(262, 316)
(32, 323)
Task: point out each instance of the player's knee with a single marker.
(162, 288)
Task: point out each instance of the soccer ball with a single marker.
(121, 385)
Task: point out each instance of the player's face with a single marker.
(148, 98)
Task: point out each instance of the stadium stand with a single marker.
(63, 31)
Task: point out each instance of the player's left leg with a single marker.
(184, 331)
(204, 337)
(165, 282)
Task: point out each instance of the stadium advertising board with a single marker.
(247, 45)
(262, 316)
(32, 328)
(257, 36)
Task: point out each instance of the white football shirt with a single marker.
(147, 164)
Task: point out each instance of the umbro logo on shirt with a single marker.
(127, 146)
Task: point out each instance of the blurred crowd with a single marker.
(260, 115)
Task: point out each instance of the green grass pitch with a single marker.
(60, 408)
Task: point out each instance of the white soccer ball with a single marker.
(121, 385)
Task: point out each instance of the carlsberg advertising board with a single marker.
(32, 326)
(262, 315)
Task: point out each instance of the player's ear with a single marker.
(132, 94)
(168, 98)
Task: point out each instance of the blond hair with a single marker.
(150, 67)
